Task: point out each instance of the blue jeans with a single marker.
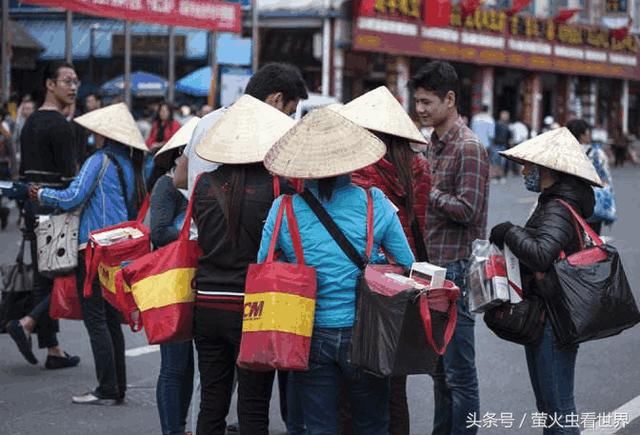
(318, 388)
(455, 382)
(175, 385)
(552, 371)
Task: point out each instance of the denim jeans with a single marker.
(175, 385)
(105, 335)
(552, 371)
(318, 389)
(455, 381)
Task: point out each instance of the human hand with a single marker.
(499, 232)
(33, 192)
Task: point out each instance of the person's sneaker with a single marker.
(233, 428)
(16, 331)
(61, 362)
(91, 398)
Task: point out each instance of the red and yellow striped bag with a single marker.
(279, 306)
(161, 283)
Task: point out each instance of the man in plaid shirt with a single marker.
(456, 216)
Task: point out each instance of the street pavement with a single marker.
(37, 401)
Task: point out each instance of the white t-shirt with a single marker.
(198, 165)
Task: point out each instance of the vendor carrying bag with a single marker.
(594, 299)
(161, 283)
(399, 330)
(57, 237)
(279, 306)
(521, 323)
(108, 250)
(65, 300)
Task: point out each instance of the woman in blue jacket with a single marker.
(109, 189)
(325, 148)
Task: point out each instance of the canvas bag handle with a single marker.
(292, 224)
(452, 313)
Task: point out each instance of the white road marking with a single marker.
(137, 351)
(630, 411)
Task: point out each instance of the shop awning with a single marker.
(50, 34)
(196, 83)
(301, 8)
(143, 84)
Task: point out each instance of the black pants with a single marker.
(399, 421)
(46, 328)
(103, 323)
(217, 336)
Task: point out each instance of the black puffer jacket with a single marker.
(550, 229)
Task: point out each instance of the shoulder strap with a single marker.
(333, 229)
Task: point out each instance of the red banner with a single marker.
(436, 13)
(204, 14)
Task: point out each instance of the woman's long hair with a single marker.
(137, 159)
(400, 154)
(234, 192)
(160, 134)
(326, 187)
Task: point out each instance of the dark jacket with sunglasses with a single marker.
(550, 230)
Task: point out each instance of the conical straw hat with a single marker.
(323, 144)
(244, 133)
(179, 139)
(116, 123)
(380, 111)
(558, 150)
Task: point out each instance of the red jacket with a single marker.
(169, 130)
(384, 176)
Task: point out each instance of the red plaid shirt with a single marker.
(457, 213)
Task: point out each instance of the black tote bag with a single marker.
(594, 299)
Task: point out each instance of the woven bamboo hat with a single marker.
(116, 123)
(244, 133)
(558, 150)
(323, 144)
(380, 111)
(179, 139)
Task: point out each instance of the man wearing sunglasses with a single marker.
(47, 151)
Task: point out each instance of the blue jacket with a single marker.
(103, 200)
(337, 275)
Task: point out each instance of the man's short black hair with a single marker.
(52, 69)
(277, 77)
(485, 107)
(578, 127)
(438, 77)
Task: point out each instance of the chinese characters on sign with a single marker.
(541, 420)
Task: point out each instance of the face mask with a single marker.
(532, 181)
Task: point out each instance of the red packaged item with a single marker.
(65, 300)
(107, 250)
(279, 307)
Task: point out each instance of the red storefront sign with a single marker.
(495, 38)
(204, 14)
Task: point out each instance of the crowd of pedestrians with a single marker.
(429, 205)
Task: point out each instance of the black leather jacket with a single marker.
(550, 229)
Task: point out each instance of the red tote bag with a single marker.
(161, 283)
(65, 300)
(279, 306)
(105, 259)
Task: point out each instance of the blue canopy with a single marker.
(143, 84)
(196, 83)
